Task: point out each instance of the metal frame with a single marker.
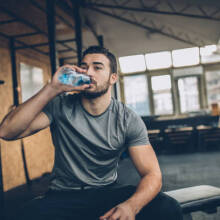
(149, 7)
(152, 29)
(50, 8)
(36, 31)
(14, 72)
(129, 15)
(76, 4)
(2, 202)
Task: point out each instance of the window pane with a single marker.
(31, 80)
(189, 94)
(213, 86)
(136, 94)
(158, 60)
(160, 82)
(131, 64)
(162, 97)
(185, 57)
(209, 54)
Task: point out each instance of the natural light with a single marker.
(185, 57)
(161, 82)
(208, 50)
(158, 60)
(131, 64)
(209, 54)
(167, 59)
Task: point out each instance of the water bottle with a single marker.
(69, 76)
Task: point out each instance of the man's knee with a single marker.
(160, 208)
(171, 208)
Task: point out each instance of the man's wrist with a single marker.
(134, 205)
(53, 90)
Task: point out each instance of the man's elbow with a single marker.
(160, 181)
(4, 135)
(158, 178)
(1, 133)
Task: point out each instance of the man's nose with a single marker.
(90, 71)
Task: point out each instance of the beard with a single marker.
(101, 90)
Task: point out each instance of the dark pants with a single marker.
(90, 204)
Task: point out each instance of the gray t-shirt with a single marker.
(87, 147)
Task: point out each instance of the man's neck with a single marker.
(98, 105)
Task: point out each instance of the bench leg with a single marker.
(187, 216)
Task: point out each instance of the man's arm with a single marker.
(150, 184)
(27, 118)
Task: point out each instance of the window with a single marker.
(131, 64)
(213, 86)
(186, 57)
(136, 94)
(210, 54)
(188, 94)
(158, 60)
(31, 80)
(162, 97)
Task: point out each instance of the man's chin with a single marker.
(89, 94)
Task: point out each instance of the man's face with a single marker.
(98, 68)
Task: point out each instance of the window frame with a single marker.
(203, 98)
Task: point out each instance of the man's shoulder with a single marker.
(123, 109)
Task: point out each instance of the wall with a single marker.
(38, 149)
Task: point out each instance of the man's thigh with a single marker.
(160, 208)
(53, 208)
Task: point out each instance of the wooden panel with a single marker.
(38, 148)
(12, 164)
(39, 153)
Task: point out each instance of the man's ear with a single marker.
(113, 78)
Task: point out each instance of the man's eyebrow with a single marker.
(96, 63)
(99, 63)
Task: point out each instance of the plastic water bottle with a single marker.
(69, 76)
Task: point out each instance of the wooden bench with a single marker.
(203, 198)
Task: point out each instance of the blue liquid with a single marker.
(70, 77)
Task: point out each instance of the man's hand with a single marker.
(123, 211)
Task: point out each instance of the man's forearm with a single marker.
(20, 118)
(147, 189)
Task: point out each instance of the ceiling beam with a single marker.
(20, 19)
(146, 27)
(22, 43)
(8, 21)
(151, 10)
(31, 46)
(37, 5)
(26, 35)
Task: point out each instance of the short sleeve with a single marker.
(49, 109)
(136, 131)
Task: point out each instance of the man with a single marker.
(90, 131)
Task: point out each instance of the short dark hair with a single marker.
(106, 52)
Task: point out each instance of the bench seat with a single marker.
(204, 198)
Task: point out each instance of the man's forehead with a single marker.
(95, 58)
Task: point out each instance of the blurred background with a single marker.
(168, 54)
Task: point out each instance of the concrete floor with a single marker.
(182, 171)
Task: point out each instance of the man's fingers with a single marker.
(107, 214)
(116, 215)
(81, 88)
(79, 69)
